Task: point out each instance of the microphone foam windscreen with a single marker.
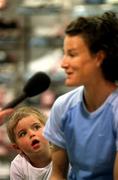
(37, 84)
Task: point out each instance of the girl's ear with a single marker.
(15, 146)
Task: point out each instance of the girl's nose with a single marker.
(31, 133)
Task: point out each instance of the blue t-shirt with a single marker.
(90, 139)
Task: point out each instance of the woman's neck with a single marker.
(95, 97)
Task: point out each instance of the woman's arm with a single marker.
(60, 164)
(116, 167)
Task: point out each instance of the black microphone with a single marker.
(38, 83)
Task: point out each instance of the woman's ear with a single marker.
(100, 57)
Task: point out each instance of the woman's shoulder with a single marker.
(74, 94)
(68, 100)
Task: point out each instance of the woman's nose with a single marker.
(64, 62)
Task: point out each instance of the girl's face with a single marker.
(29, 138)
(80, 65)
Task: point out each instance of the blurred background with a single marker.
(31, 40)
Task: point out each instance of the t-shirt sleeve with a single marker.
(52, 131)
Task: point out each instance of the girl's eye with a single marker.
(37, 127)
(22, 134)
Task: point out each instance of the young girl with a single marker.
(25, 127)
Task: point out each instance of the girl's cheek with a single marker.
(42, 138)
(23, 142)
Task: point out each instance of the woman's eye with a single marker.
(72, 55)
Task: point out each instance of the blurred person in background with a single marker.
(6, 151)
(46, 101)
(4, 97)
(83, 123)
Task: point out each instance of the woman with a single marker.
(83, 124)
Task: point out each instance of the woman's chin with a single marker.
(69, 83)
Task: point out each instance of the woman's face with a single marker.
(80, 65)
